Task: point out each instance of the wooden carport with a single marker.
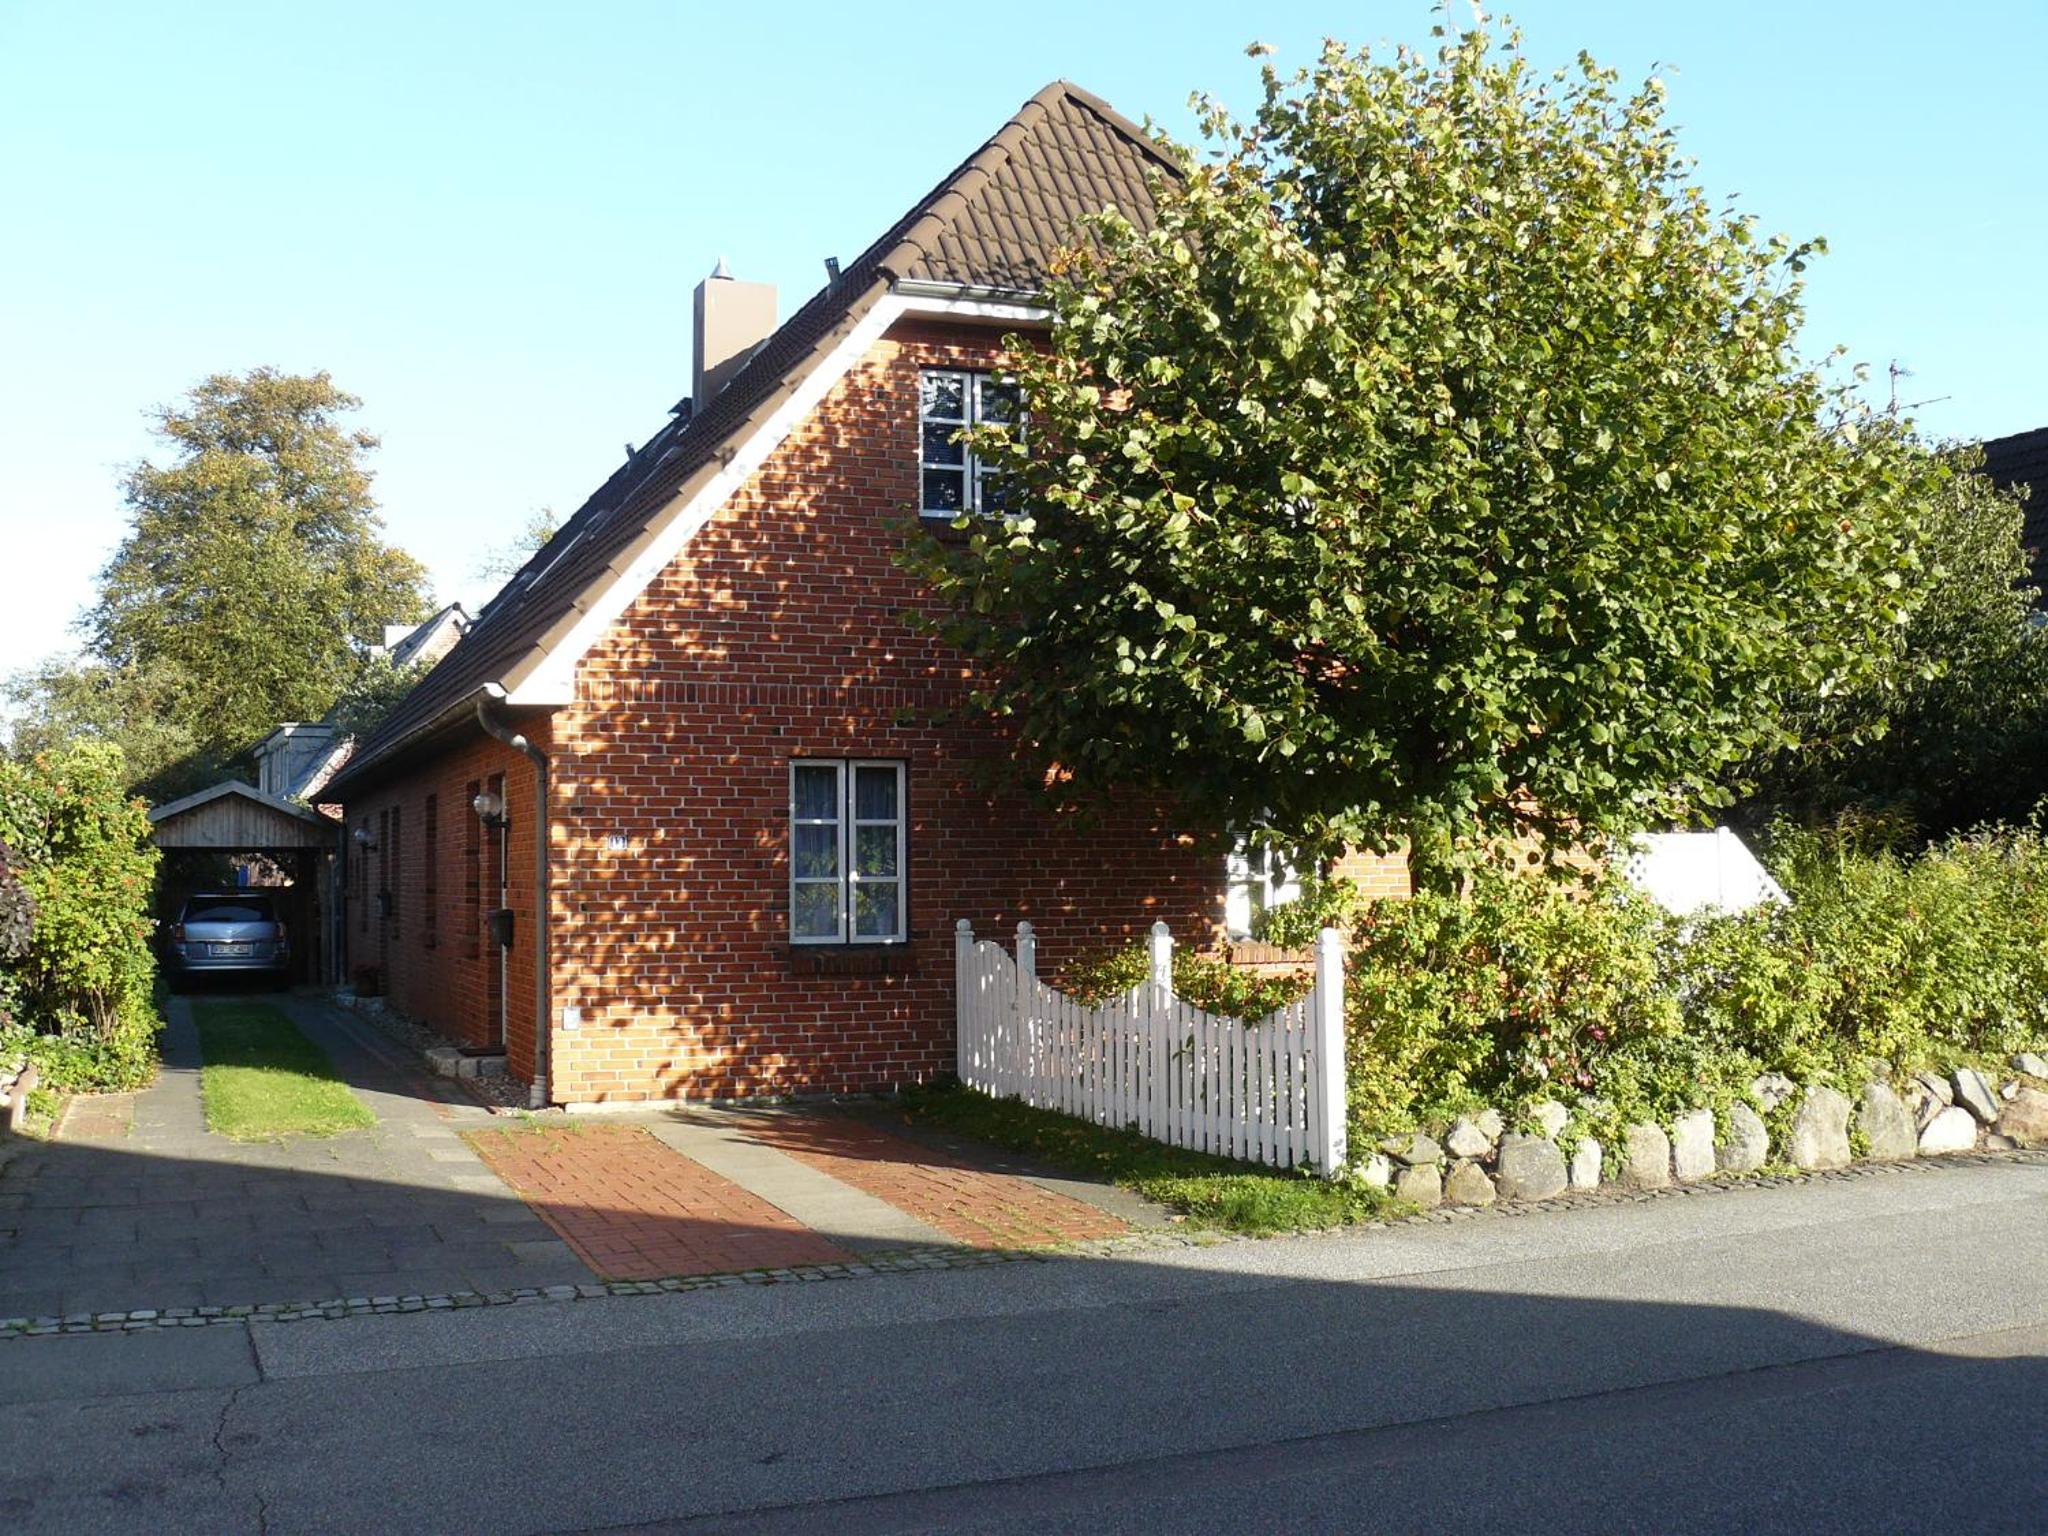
(233, 818)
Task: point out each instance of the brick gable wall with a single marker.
(778, 633)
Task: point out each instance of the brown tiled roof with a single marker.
(2022, 460)
(995, 223)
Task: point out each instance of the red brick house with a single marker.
(742, 804)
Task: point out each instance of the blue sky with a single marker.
(486, 220)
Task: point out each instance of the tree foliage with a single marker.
(1439, 466)
(81, 851)
(1954, 733)
(252, 583)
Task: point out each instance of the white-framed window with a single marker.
(949, 400)
(848, 851)
(1258, 878)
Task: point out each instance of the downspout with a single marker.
(498, 730)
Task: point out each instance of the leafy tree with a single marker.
(374, 694)
(254, 577)
(1955, 732)
(84, 858)
(136, 709)
(504, 561)
(1439, 467)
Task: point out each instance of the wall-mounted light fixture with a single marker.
(490, 809)
(362, 837)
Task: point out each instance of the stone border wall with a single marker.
(1481, 1158)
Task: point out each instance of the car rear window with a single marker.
(228, 909)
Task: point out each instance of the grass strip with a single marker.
(264, 1080)
(1209, 1191)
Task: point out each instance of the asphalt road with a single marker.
(1857, 1355)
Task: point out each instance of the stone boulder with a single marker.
(1692, 1145)
(1772, 1089)
(1746, 1145)
(1414, 1151)
(1975, 1094)
(1953, 1130)
(1490, 1122)
(1466, 1139)
(1887, 1125)
(1468, 1185)
(1377, 1170)
(1419, 1184)
(1530, 1168)
(1644, 1158)
(1549, 1117)
(1936, 1085)
(1819, 1137)
(1585, 1165)
(2025, 1118)
(2032, 1065)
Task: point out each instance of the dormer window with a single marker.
(949, 400)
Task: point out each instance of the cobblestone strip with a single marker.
(911, 1260)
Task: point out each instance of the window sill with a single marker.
(850, 959)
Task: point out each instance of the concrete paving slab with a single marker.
(848, 1217)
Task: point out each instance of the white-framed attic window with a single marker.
(952, 478)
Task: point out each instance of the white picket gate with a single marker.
(1269, 1090)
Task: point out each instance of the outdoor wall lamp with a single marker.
(490, 809)
(362, 837)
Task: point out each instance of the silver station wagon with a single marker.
(227, 931)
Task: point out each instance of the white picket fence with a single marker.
(1269, 1090)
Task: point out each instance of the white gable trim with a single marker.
(553, 683)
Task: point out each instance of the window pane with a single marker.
(944, 490)
(816, 914)
(942, 396)
(874, 851)
(996, 401)
(874, 794)
(995, 492)
(874, 910)
(816, 852)
(939, 447)
(817, 793)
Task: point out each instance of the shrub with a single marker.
(1212, 985)
(83, 984)
(1520, 988)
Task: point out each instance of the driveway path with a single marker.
(171, 1215)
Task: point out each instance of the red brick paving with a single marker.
(634, 1209)
(983, 1210)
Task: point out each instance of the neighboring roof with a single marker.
(2022, 460)
(213, 792)
(994, 224)
(445, 625)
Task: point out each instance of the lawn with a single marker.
(263, 1080)
(1208, 1191)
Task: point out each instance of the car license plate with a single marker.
(230, 950)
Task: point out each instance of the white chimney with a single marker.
(732, 320)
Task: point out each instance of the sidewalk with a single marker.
(170, 1215)
(137, 1207)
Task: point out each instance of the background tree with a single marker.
(254, 578)
(506, 559)
(1954, 733)
(1438, 467)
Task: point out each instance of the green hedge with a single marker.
(1530, 989)
(1581, 990)
(77, 986)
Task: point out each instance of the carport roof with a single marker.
(294, 826)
